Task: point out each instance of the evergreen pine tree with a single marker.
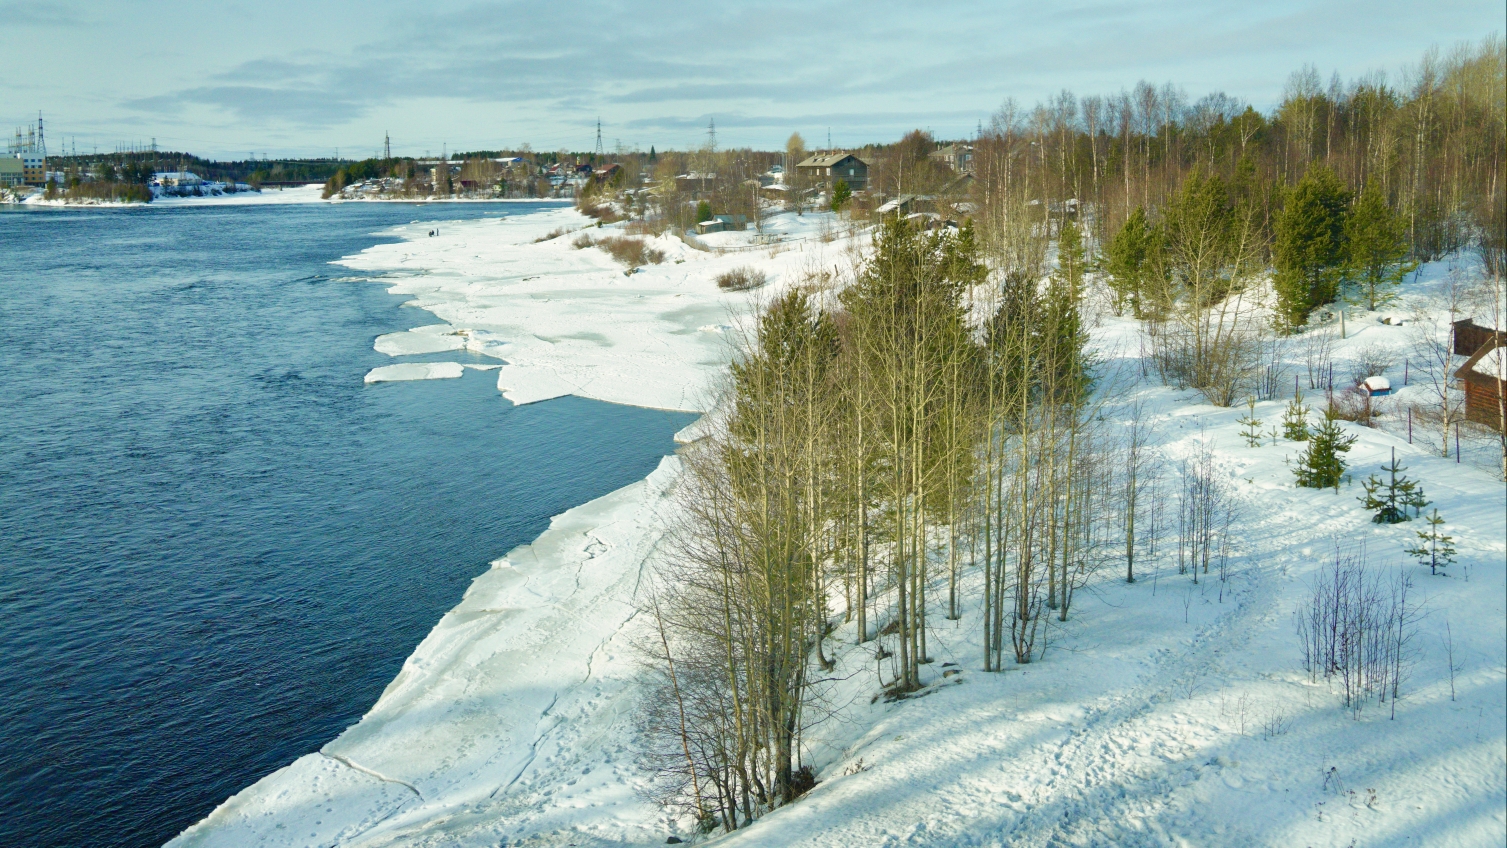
(1322, 465)
(1129, 260)
(1376, 244)
(841, 194)
(1252, 429)
(1295, 419)
(1434, 549)
(1391, 498)
(1070, 257)
(1309, 251)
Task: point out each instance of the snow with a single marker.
(1162, 713)
(1493, 363)
(570, 321)
(265, 197)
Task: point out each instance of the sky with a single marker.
(317, 77)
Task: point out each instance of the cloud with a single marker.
(39, 14)
(883, 66)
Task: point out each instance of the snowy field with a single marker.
(1163, 712)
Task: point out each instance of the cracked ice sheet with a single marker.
(435, 338)
(482, 706)
(415, 371)
(569, 321)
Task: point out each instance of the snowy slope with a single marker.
(1162, 713)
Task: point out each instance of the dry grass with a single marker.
(633, 252)
(603, 212)
(554, 234)
(741, 279)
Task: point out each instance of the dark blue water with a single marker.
(217, 545)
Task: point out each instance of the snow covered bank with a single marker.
(572, 321)
(514, 717)
(495, 687)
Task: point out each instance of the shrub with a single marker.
(552, 234)
(1357, 630)
(632, 252)
(1372, 360)
(741, 279)
(603, 212)
(582, 241)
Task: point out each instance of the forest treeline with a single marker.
(920, 435)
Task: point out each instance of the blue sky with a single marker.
(307, 78)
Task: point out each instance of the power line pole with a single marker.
(711, 135)
(599, 138)
(386, 147)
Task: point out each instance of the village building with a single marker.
(1469, 336)
(12, 173)
(177, 179)
(695, 182)
(828, 168)
(33, 168)
(1482, 375)
(957, 157)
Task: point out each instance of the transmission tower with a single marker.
(41, 138)
(711, 135)
(386, 147)
(599, 138)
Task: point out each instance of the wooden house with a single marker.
(828, 168)
(1482, 377)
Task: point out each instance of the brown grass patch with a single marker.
(741, 279)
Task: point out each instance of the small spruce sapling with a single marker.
(841, 194)
(1391, 498)
(1434, 548)
(1322, 465)
(1295, 419)
(1252, 431)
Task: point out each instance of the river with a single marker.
(217, 545)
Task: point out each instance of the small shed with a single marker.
(710, 226)
(1469, 336)
(1484, 377)
(1376, 386)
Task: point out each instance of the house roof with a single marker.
(1488, 362)
(827, 160)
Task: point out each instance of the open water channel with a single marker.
(217, 546)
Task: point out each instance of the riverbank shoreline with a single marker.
(460, 741)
